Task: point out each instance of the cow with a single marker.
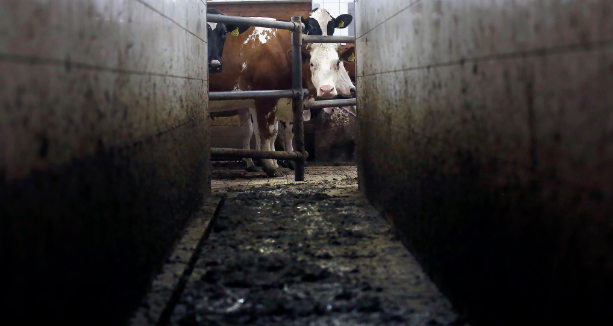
(217, 32)
(347, 55)
(346, 78)
(320, 22)
(216, 38)
(285, 114)
(261, 60)
(284, 110)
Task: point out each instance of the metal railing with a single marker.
(297, 93)
(329, 103)
(327, 39)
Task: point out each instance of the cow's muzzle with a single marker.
(215, 66)
(327, 92)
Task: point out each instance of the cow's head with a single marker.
(320, 22)
(328, 74)
(217, 33)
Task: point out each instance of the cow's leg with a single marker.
(268, 128)
(247, 132)
(287, 141)
(281, 138)
(272, 145)
(256, 133)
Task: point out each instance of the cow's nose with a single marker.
(327, 90)
(215, 66)
(353, 93)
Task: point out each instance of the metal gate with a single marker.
(297, 93)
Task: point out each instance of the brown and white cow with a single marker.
(345, 84)
(285, 115)
(261, 60)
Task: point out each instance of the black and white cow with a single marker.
(320, 22)
(217, 33)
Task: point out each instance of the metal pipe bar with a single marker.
(297, 103)
(245, 153)
(244, 21)
(327, 39)
(329, 104)
(251, 95)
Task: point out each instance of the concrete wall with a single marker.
(486, 138)
(103, 150)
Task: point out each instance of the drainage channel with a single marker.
(304, 254)
(166, 288)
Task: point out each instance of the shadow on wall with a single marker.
(507, 254)
(80, 242)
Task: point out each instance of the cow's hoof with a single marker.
(253, 168)
(274, 173)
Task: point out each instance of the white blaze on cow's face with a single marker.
(325, 65)
(324, 19)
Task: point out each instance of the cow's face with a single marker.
(328, 74)
(217, 34)
(320, 22)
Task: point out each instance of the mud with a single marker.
(307, 254)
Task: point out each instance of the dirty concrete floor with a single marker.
(312, 253)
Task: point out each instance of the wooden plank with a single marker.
(283, 10)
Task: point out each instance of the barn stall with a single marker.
(481, 194)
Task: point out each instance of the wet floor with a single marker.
(314, 253)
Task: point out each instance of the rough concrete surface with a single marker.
(312, 253)
(485, 139)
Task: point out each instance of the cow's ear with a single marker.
(348, 55)
(307, 25)
(236, 30)
(306, 53)
(306, 56)
(343, 21)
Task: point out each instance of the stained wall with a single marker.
(485, 138)
(103, 150)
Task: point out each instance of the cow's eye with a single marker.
(223, 36)
(312, 65)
